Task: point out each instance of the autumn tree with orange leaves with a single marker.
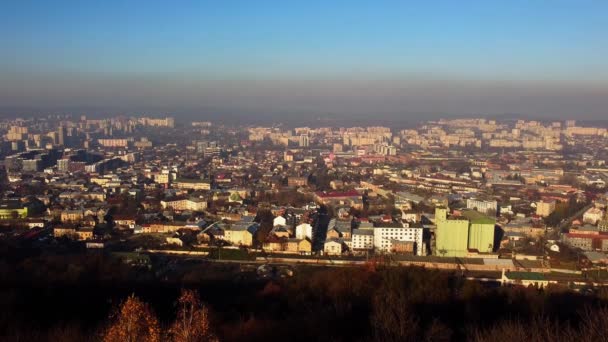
(192, 321)
(133, 322)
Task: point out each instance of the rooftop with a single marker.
(477, 217)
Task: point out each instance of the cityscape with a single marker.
(303, 171)
(467, 194)
(503, 203)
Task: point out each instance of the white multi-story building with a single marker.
(385, 236)
(483, 206)
(196, 204)
(362, 239)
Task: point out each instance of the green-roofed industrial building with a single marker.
(454, 237)
(451, 237)
(481, 231)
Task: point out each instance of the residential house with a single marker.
(301, 246)
(84, 233)
(67, 231)
(279, 221)
(333, 247)
(333, 234)
(162, 227)
(303, 231)
(280, 231)
(240, 234)
(125, 221)
(72, 215)
(274, 244)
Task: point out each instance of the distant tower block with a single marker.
(61, 135)
(304, 142)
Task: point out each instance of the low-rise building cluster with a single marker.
(466, 188)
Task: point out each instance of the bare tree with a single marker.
(192, 321)
(133, 322)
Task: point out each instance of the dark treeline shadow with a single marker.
(76, 297)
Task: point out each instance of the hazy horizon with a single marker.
(387, 60)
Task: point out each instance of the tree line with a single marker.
(76, 297)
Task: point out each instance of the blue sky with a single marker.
(196, 42)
